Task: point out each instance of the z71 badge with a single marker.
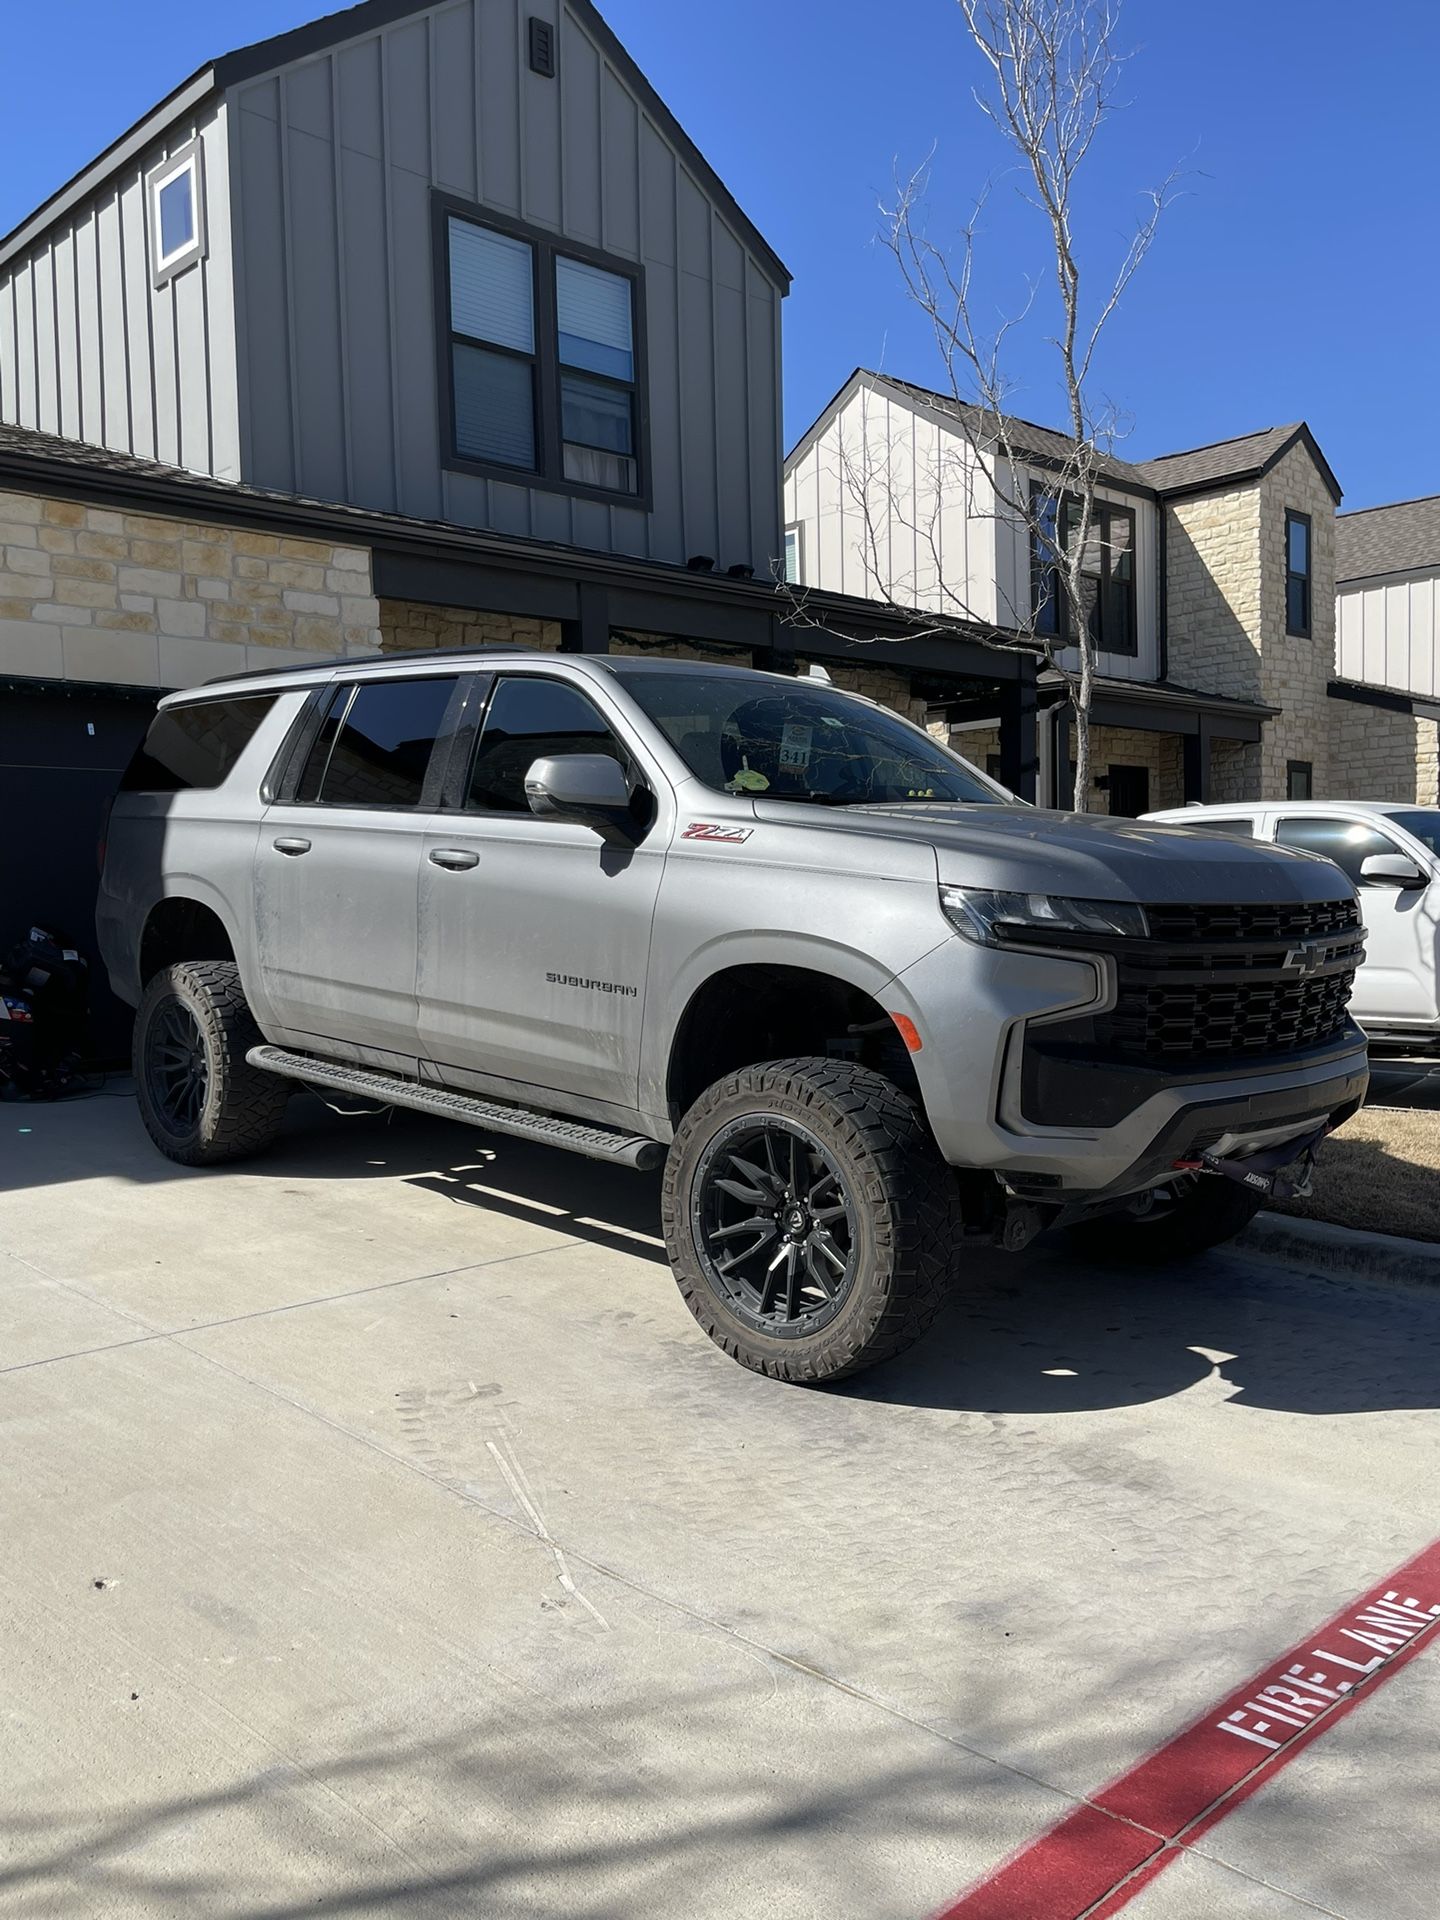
(706, 830)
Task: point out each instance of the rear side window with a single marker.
(374, 746)
(1237, 829)
(530, 720)
(194, 745)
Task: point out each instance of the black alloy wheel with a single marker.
(774, 1225)
(177, 1068)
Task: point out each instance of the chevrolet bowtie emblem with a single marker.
(1305, 960)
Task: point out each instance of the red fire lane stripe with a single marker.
(1116, 1843)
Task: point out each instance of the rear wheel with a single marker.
(201, 1100)
(809, 1218)
(1175, 1222)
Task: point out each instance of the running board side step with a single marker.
(331, 1076)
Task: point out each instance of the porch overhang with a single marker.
(1163, 707)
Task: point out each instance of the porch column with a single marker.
(590, 633)
(1019, 753)
(1197, 762)
(1063, 773)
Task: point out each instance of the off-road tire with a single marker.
(242, 1107)
(905, 1204)
(1213, 1211)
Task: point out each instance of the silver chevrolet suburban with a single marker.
(863, 1005)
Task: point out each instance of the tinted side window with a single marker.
(530, 720)
(375, 744)
(1347, 842)
(1237, 829)
(194, 745)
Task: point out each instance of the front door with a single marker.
(534, 932)
(1396, 982)
(336, 873)
(1129, 791)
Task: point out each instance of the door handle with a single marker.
(291, 845)
(453, 859)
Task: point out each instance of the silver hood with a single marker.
(1087, 856)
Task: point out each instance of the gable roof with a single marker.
(1197, 470)
(244, 63)
(1223, 462)
(1400, 538)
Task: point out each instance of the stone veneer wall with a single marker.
(1161, 753)
(407, 626)
(138, 599)
(1379, 755)
(1295, 671)
(1225, 558)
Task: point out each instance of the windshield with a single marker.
(1423, 825)
(800, 740)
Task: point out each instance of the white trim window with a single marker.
(795, 553)
(175, 197)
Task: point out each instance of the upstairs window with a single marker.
(1297, 574)
(1299, 780)
(542, 356)
(177, 214)
(1109, 561)
(794, 554)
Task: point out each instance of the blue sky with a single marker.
(1297, 277)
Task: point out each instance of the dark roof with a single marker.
(79, 453)
(1221, 461)
(332, 29)
(1197, 470)
(1394, 539)
(1027, 436)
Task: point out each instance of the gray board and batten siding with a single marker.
(302, 354)
(92, 349)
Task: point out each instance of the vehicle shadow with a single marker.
(1049, 1331)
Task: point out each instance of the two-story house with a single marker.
(424, 325)
(1215, 588)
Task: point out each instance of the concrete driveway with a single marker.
(380, 1536)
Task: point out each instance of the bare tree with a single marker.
(1055, 71)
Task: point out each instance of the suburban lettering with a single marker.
(592, 986)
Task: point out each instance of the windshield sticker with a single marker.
(795, 746)
(708, 830)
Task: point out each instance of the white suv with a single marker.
(1392, 855)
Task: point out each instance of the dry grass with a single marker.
(1381, 1172)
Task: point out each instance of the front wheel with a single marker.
(809, 1218)
(1174, 1222)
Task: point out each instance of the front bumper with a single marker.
(971, 1004)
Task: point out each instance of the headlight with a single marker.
(985, 917)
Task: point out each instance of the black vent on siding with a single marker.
(542, 47)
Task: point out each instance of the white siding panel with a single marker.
(27, 395)
(67, 339)
(1388, 632)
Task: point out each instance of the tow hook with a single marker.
(1280, 1173)
(1022, 1221)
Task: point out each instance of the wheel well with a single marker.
(770, 1013)
(181, 930)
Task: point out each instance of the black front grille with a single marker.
(1195, 1019)
(1210, 984)
(1233, 980)
(1252, 923)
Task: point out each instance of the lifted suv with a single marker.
(857, 1000)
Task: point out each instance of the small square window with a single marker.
(176, 214)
